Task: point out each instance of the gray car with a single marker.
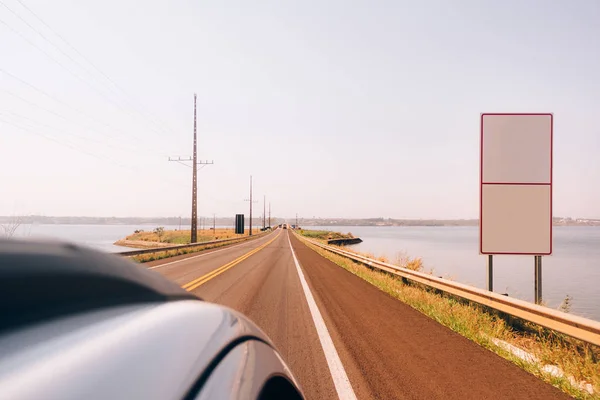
(80, 324)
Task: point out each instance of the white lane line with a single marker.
(338, 373)
(202, 255)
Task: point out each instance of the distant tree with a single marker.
(566, 304)
(160, 231)
(10, 228)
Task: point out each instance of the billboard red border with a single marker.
(481, 183)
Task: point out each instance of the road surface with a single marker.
(342, 337)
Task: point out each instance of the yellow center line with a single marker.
(205, 278)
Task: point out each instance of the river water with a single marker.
(453, 252)
(100, 237)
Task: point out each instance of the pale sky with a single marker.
(337, 108)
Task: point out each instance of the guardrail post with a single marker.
(490, 273)
(538, 279)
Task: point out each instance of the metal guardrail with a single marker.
(187, 246)
(571, 325)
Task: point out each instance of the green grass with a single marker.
(324, 235)
(182, 236)
(479, 324)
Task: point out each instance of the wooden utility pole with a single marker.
(195, 163)
(250, 200)
(194, 236)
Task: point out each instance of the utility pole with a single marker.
(195, 163)
(264, 211)
(214, 222)
(296, 220)
(269, 214)
(250, 200)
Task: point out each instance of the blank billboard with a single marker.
(517, 149)
(516, 219)
(516, 184)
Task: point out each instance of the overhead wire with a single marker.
(75, 61)
(103, 95)
(88, 139)
(182, 163)
(50, 138)
(75, 148)
(65, 41)
(57, 62)
(77, 123)
(63, 103)
(96, 120)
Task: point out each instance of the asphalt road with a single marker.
(342, 337)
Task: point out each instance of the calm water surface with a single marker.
(100, 237)
(453, 252)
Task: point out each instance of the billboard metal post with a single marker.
(538, 279)
(490, 272)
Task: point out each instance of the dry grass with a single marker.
(182, 236)
(404, 260)
(325, 235)
(480, 324)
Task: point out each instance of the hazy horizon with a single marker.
(362, 110)
(259, 216)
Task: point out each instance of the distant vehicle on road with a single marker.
(80, 324)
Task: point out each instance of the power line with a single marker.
(66, 119)
(41, 34)
(118, 106)
(51, 139)
(58, 62)
(86, 60)
(69, 133)
(72, 147)
(69, 106)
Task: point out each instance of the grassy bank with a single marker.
(160, 237)
(485, 326)
(324, 235)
